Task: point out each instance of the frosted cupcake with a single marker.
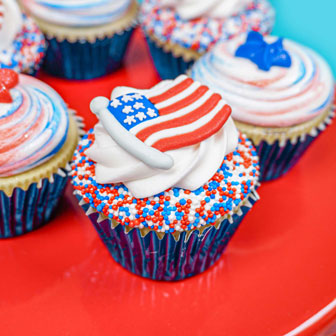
(180, 31)
(281, 95)
(37, 140)
(165, 177)
(22, 45)
(87, 39)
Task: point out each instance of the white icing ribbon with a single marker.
(10, 22)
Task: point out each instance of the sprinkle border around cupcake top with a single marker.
(175, 209)
(201, 34)
(27, 51)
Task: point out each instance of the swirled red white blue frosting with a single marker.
(280, 97)
(175, 209)
(72, 13)
(33, 127)
(22, 45)
(162, 19)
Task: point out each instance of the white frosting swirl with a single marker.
(77, 12)
(10, 22)
(193, 165)
(192, 9)
(280, 97)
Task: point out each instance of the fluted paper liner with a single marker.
(175, 49)
(144, 231)
(167, 256)
(282, 134)
(91, 34)
(47, 169)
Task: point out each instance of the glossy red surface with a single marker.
(278, 270)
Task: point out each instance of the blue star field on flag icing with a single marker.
(132, 109)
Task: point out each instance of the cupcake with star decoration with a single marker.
(22, 45)
(37, 140)
(281, 95)
(86, 38)
(178, 32)
(165, 177)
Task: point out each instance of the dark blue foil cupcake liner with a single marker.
(84, 59)
(166, 259)
(167, 65)
(277, 159)
(28, 210)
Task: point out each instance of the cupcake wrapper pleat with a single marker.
(167, 65)
(27, 210)
(86, 60)
(167, 258)
(276, 160)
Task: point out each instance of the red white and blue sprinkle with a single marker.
(27, 50)
(202, 33)
(175, 209)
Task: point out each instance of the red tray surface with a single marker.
(277, 272)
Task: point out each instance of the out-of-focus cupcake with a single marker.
(22, 45)
(37, 140)
(165, 177)
(281, 95)
(86, 39)
(178, 32)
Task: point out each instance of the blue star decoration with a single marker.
(132, 109)
(261, 53)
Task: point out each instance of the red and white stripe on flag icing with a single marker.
(189, 113)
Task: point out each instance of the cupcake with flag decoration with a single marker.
(86, 38)
(281, 95)
(22, 45)
(165, 177)
(178, 32)
(37, 140)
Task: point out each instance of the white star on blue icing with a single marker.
(129, 120)
(132, 109)
(151, 112)
(127, 98)
(127, 109)
(115, 103)
(138, 105)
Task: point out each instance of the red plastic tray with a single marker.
(278, 271)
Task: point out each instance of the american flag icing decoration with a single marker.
(177, 115)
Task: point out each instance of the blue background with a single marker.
(310, 22)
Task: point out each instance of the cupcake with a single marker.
(165, 177)
(87, 39)
(281, 95)
(22, 45)
(178, 32)
(37, 140)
